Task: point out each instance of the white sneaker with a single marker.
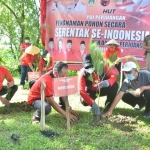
(138, 107)
(21, 87)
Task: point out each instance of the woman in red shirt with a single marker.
(89, 83)
(46, 62)
(113, 53)
(26, 62)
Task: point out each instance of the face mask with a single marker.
(90, 70)
(27, 41)
(130, 76)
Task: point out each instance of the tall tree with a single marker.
(19, 18)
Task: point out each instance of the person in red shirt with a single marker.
(70, 54)
(89, 83)
(34, 98)
(26, 61)
(46, 62)
(81, 52)
(10, 89)
(54, 52)
(51, 44)
(59, 54)
(24, 45)
(113, 51)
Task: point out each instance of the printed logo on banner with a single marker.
(65, 86)
(91, 3)
(129, 5)
(65, 80)
(105, 2)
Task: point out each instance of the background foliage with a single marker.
(19, 18)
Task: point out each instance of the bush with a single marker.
(10, 62)
(72, 73)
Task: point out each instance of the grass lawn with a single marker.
(125, 130)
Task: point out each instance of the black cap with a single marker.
(44, 53)
(87, 60)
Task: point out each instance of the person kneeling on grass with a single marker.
(139, 81)
(34, 98)
(89, 88)
(10, 89)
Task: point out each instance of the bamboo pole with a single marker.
(67, 112)
(121, 75)
(43, 86)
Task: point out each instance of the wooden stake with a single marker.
(42, 106)
(67, 112)
(121, 74)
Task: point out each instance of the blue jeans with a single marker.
(24, 74)
(37, 105)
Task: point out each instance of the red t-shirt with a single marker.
(23, 46)
(70, 55)
(59, 55)
(26, 59)
(42, 64)
(35, 91)
(79, 55)
(96, 79)
(109, 53)
(52, 52)
(5, 74)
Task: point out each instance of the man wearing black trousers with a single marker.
(139, 81)
(10, 89)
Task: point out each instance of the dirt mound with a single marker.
(19, 106)
(123, 119)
